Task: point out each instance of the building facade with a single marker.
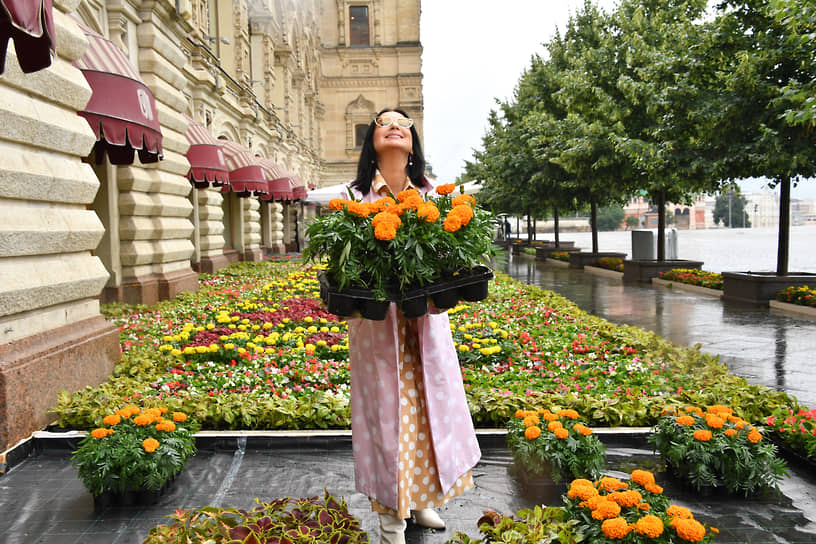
(165, 138)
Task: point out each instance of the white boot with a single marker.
(427, 517)
(392, 529)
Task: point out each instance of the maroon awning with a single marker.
(246, 173)
(122, 111)
(207, 163)
(299, 187)
(30, 23)
(279, 187)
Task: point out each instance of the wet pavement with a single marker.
(42, 500)
(764, 347)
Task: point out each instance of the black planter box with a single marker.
(469, 286)
(757, 288)
(643, 270)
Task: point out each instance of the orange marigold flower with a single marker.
(464, 199)
(452, 223)
(359, 209)
(581, 482)
(615, 528)
(163, 409)
(653, 488)
(543, 412)
(464, 212)
(583, 492)
(179, 417)
(413, 202)
(731, 433)
(645, 506)
(703, 435)
(606, 510)
(428, 212)
(112, 419)
(689, 529)
(715, 422)
(519, 413)
(395, 210)
(553, 425)
(561, 433)
(548, 416)
(402, 196)
(100, 433)
(612, 484)
(155, 413)
(593, 502)
(167, 426)
(385, 232)
(643, 477)
(531, 433)
(754, 436)
(142, 420)
(675, 511)
(529, 421)
(583, 429)
(649, 525)
(685, 420)
(568, 413)
(626, 498)
(720, 410)
(668, 411)
(150, 445)
(445, 189)
(695, 409)
(337, 203)
(739, 425)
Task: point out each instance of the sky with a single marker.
(474, 52)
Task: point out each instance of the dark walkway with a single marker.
(764, 347)
(42, 500)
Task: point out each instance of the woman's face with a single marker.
(392, 137)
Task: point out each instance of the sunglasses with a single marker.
(386, 122)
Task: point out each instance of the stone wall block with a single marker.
(150, 38)
(71, 41)
(210, 213)
(212, 242)
(152, 180)
(212, 227)
(43, 124)
(17, 326)
(134, 203)
(35, 229)
(154, 228)
(74, 89)
(167, 96)
(39, 281)
(37, 174)
(152, 61)
(140, 252)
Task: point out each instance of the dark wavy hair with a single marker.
(367, 165)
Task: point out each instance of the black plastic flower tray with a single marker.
(471, 286)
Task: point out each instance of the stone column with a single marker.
(52, 336)
(251, 221)
(211, 229)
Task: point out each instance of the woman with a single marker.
(413, 439)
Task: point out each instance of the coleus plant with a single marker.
(281, 521)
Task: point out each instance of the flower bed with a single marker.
(694, 276)
(560, 256)
(801, 295)
(797, 430)
(714, 449)
(610, 263)
(255, 349)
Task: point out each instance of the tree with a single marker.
(632, 222)
(730, 209)
(610, 218)
(762, 115)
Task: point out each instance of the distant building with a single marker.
(685, 217)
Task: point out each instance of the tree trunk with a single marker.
(555, 226)
(593, 222)
(784, 229)
(661, 226)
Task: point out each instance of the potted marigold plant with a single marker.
(715, 449)
(403, 248)
(611, 510)
(133, 454)
(555, 442)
